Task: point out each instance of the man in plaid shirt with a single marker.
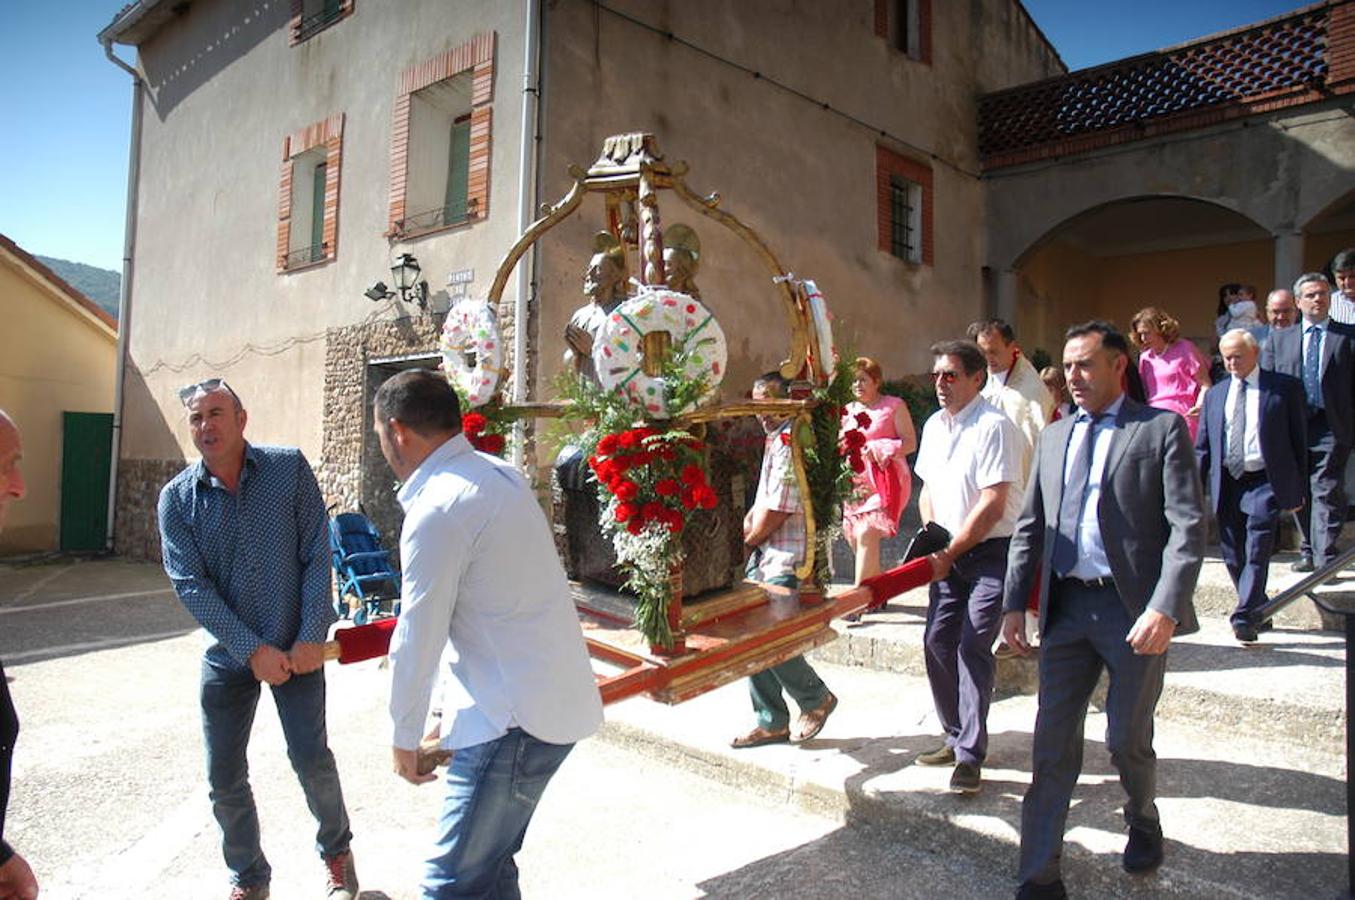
(774, 537)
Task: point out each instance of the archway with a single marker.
(1111, 260)
(1329, 232)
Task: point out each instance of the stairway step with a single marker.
(1242, 816)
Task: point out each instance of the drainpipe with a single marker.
(526, 214)
(125, 295)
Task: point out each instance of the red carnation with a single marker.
(643, 458)
(690, 497)
(626, 491)
(666, 488)
(635, 526)
(857, 465)
(692, 474)
(708, 498)
(628, 440)
(492, 443)
(607, 446)
(624, 511)
(472, 424)
(863, 419)
(593, 462)
(675, 522)
(855, 439)
(652, 510)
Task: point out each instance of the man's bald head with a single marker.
(12, 485)
(1281, 310)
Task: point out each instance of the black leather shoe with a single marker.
(1303, 564)
(1143, 852)
(1031, 890)
(1245, 633)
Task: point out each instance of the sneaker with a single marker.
(249, 892)
(343, 877)
(941, 756)
(966, 779)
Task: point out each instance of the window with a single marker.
(907, 26)
(903, 207)
(308, 204)
(440, 141)
(310, 17)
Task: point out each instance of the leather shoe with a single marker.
(812, 722)
(1302, 564)
(941, 756)
(1245, 633)
(1033, 890)
(1143, 851)
(966, 779)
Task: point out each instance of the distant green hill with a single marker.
(100, 285)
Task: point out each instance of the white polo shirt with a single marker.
(963, 454)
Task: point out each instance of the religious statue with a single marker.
(682, 259)
(604, 280)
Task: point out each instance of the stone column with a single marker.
(1288, 259)
(1008, 293)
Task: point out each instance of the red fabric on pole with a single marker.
(364, 641)
(914, 573)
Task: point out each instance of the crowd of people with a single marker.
(1075, 492)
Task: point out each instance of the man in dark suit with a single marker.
(1113, 526)
(1320, 353)
(1253, 452)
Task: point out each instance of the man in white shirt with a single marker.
(970, 462)
(482, 578)
(1343, 298)
(1013, 386)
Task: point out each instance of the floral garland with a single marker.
(650, 481)
(650, 475)
(487, 428)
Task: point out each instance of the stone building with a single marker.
(925, 163)
(285, 154)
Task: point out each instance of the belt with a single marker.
(1105, 582)
(1249, 477)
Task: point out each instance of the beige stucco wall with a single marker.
(1062, 285)
(805, 179)
(54, 358)
(225, 90)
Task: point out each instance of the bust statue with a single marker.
(682, 259)
(604, 282)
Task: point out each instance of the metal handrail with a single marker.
(1304, 586)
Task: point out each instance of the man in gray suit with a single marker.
(1320, 352)
(1113, 526)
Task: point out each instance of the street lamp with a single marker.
(405, 273)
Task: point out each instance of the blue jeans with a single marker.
(492, 791)
(229, 698)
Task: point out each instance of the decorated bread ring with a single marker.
(472, 327)
(618, 352)
(825, 349)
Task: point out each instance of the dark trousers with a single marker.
(963, 619)
(1324, 507)
(1248, 519)
(1084, 633)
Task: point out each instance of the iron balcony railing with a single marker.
(433, 219)
(304, 256)
(318, 21)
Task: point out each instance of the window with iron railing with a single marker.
(905, 213)
(439, 157)
(309, 17)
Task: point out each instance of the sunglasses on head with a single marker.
(188, 392)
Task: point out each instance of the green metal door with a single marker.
(86, 452)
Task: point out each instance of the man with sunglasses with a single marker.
(971, 460)
(244, 539)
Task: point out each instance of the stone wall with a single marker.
(136, 529)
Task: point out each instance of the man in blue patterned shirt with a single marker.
(243, 535)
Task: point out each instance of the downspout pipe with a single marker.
(125, 294)
(526, 214)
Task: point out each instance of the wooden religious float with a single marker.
(651, 344)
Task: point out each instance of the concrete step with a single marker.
(1242, 816)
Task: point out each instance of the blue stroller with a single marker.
(369, 584)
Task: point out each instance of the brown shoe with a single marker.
(342, 881)
(250, 892)
(811, 722)
(759, 736)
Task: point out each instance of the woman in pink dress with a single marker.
(1174, 372)
(882, 489)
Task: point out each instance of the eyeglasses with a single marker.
(949, 376)
(188, 392)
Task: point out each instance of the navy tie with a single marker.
(1312, 361)
(1074, 495)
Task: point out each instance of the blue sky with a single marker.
(67, 109)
